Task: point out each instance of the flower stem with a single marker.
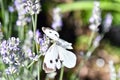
(3, 13)
(91, 38)
(34, 22)
(39, 68)
(46, 78)
(33, 62)
(13, 78)
(10, 25)
(29, 72)
(7, 77)
(61, 73)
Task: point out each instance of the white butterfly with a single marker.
(57, 55)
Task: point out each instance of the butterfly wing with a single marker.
(51, 60)
(68, 58)
(64, 44)
(52, 34)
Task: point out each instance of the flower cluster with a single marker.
(37, 36)
(27, 46)
(11, 70)
(97, 40)
(57, 21)
(22, 19)
(11, 9)
(44, 44)
(32, 6)
(11, 54)
(107, 22)
(95, 20)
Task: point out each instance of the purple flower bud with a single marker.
(11, 9)
(57, 20)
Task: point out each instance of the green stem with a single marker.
(3, 17)
(34, 25)
(35, 22)
(90, 45)
(2, 8)
(61, 73)
(10, 25)
(46, 78)
(91, 38)
(34, 28)
(81, 5)
(13, 78)
(10, 29)
(33, 62)
(7, 77)
(10, 77)
(29, 72)
(39, 70)
(90, 48)
(21, 32)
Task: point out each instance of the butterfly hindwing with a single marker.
(68, 58)
(51, 60)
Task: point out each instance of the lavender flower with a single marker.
(11, 9)
(27, 43)
(57, 21)
(32, 6)
(0, 25)
(95, 20)
(44, 44)
(107, 22)
(37, 37)
(97, 40)
(11, 70)
(22, 19)
(27, 46)
(11, 52)
(33, 56)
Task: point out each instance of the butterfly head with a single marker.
(52, 34)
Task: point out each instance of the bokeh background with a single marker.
(75, 29)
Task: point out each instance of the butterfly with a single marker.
(57, 54)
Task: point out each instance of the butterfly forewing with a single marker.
(52, 34)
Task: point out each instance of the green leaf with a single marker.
(88, 5)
